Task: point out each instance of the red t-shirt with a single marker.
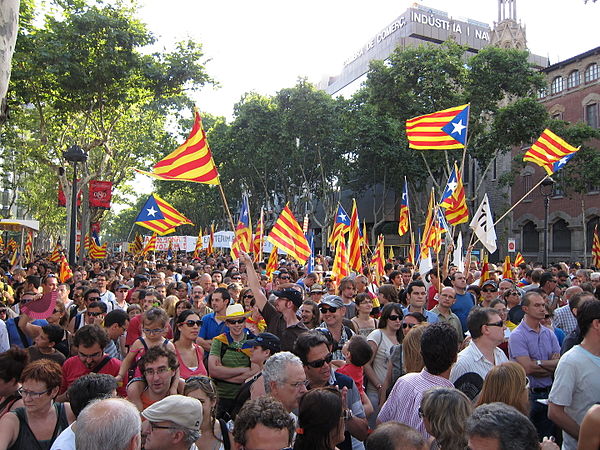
(73, 369)
(354, 372)
(431, 301)
(134, 330)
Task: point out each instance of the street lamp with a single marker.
(74, 154)
(546, 189)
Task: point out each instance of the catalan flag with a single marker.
(364, 239)
(150, 245)
(97, 251)
(596, 249)
(288, 236)
(160, 217)
(485, 269)
(507, 273)
(378, 260)
(519, 260)
(55, 255)
(434, 227)
(12, 244)
(391, 255)
(258, 238)
(550, 152)
(272, 263)
(14, 258)
(453, 199)
(442, 130)
(339, 269)
(28, 250)
(404, 223)
(191, 161)
(355, 259)
(65, 272)
(138, 244)
(198, 247)
(243, 232)
(341, 226)
(211, 241)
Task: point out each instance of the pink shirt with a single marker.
(184, 371)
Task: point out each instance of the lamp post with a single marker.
(74, 154)
(546, 189)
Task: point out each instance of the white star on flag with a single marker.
(151, 211)
(451, 186)
(458, 127)
(342, 217)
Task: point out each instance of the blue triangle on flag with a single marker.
(457, 127)
(150, 211)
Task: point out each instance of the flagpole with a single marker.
(226, 207)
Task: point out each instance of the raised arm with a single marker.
(253, 281)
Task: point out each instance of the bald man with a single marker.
(446, 299)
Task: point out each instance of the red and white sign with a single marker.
(512, 246)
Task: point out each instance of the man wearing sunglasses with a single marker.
(281, 317)
(314, 351)
(482, 354)
(489, 293)
(333, 312)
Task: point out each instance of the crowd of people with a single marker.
(216, 354)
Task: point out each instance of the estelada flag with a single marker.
(55, 255)
(355, 259)
(341, 226)
(243, 232)
(454, 200)
(191, 161)
(441, 130)
(339, 269)
(288, 236)
(550, 152)
(160, 217)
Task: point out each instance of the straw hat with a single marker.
(234, 312)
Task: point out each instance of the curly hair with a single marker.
(153, 353)
(265, 411)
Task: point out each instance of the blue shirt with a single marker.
(463, 305)
(431, 317)
(13, 333)
(210, 327)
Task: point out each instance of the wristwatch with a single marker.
(539, 363)
(348, 414)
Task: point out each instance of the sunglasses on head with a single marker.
(325, 310)
(191, 323)
(320, 362)
(234, 321)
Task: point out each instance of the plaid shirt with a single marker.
(564, 319)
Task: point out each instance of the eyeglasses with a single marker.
(56, 311)
(191, 323)
(408, 325)
(153, 427)
(394, 317)
(92, 356)
(159, 371)
(153, 330)
(320, 362)
(512, 293)
(500, 324)
(93, 314)
(299, 384)
(25, 393)
(331, 309)
(234, 321)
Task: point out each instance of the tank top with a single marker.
(186, 372)
(26, 440)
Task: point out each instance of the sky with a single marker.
(266, 45)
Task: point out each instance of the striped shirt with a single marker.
(405, 399)
(472, 360)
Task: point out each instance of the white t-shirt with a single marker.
(65, 440)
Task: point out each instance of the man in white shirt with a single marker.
(487, 332)
(106, 296)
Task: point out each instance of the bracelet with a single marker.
(379, 386)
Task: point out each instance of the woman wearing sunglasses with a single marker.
(229, 363)
(381, 341)
(189, 354)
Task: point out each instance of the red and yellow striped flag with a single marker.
(378, 260)
(198, 247)
(160, 217)
(28, 251)
(288, 236)
(211, 241)
(519, 260)
(596, 249)
(243, 232)
(191, 161)
(272, 263)
(258, 239)
(97, 251)
(55, 255)
(364, 243)
(339, 269)
(410, 258)
(65, 272)
(550, 152)
(355, 260)
(485, 269)
(441, 130)
(454, 200)
(150, 246)
(507, 273)
(404, 222)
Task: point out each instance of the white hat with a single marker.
(183, 411)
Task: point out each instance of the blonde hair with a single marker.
(169, 305)
(505, 383)
(412, 360)
(447, 410)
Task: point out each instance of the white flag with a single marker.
(425, 265)
(457, 257)
(483, 225)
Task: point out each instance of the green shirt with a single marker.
(233, 357)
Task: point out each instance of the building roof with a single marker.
(566, 62)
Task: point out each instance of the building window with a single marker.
(591, 73)
(561, 237)
(557, 116)
(556, 86)
(527, 182)
(531, 238)
(591, 115)
(589, 232)
(543, 92)
(573, 79)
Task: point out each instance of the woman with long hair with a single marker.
(445, 412)
(388, 334)
(363, 321)
(506, 383)
(320, 420)
(189, 354)
(214, 434)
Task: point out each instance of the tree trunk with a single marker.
(9, 26)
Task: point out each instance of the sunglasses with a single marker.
(489, 290)
(248, 296)
(234, 321)
(500, 324)
(331, 309)
(285, 277)
(236, 278)
(3, 311)
(320, 362)
(94, 299)
(93, 314)
(408, 325)
(191, 323)
(394, 317)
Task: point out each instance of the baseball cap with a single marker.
(123, 286)
(267, 341)
(316, 289)
(490, 283)
(333, 300)
(183, 411)
(291, 294)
